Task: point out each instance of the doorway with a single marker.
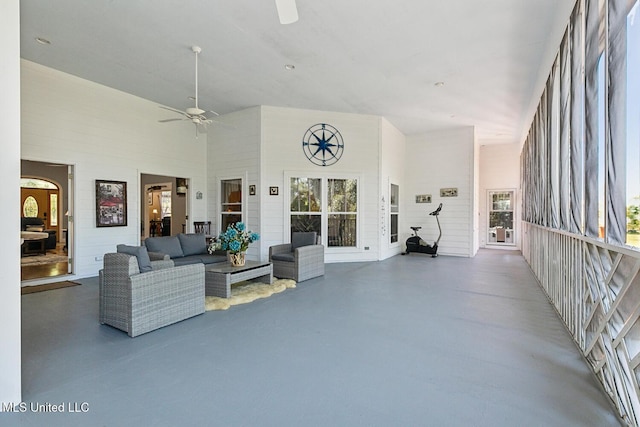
(46, 220)
(501, 214)
(164, 206)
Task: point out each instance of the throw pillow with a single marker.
(169, 245)
(39, 228)
(140, 252)
(193, 244)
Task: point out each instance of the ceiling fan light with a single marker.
(287, 11)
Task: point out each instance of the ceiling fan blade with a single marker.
(287, 11)
(174, 110)
(213, 112)
(171, 120)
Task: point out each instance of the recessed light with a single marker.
(439, 84)
(42, 40)
(289, 67)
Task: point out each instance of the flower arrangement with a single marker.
(235, 239)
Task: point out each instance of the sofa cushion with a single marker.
(193, 244)
(140, 252)
(39, 228)
(299, 239)
(286, 256)
(169, 245)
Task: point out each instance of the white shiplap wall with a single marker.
(105, 134)
(443, 159)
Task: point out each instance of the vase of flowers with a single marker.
(235, 240)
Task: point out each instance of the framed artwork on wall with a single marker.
(111, 203)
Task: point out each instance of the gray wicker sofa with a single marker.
(139, 302)
(183, 249)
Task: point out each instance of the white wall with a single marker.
(106, 134)
(10, 330)
(443, 159)
(392, 170)
(499, 170)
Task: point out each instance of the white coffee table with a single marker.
(218, 278)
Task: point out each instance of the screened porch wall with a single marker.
(577, 180)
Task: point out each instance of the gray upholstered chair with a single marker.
(299, 260)
(138, 302)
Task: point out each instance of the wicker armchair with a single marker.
(142, 302)
(300, 260)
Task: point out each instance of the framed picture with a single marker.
(150, 198)
(273, 191)
(252, 190)
(111, 203)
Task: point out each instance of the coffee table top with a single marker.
(228, 268)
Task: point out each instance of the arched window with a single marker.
(30, 207)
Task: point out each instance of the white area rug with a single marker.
(245, 292)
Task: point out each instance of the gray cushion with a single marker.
(169, 245)
(303, 239)
(140, 252)
(286, 256)
(193, 244)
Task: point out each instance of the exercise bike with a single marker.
(416, 244)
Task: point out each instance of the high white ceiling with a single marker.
(356, 56)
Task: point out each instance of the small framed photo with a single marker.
(423, 198)
(448, 192)
(111, 203)
(273, 191)
(252, 190)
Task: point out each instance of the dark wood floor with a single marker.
(30, 272)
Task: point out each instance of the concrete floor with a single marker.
(409, 341)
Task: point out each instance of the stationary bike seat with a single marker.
(415, 228)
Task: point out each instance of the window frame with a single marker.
(324, 208)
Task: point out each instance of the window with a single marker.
(30, 207)
(337, 218)
(501, 216)
(165, 204)
(342, 195)
(394, 207)
(230, 202)
(53, 206)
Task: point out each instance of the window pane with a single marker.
(306, 223)
(394, 228)
(30, 207)
(394, 196)
(305, 195)
(342, 195)
(53, 207)
(633, 127)
(342, 230)
(228, 219)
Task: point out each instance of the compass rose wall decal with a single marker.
(322, 144)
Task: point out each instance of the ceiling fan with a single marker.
(196, 115)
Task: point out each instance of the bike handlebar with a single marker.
(437, 211)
